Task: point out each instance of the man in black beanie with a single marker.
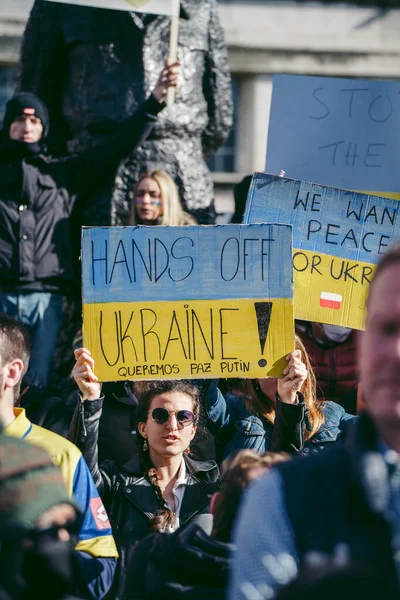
(27, 119)
(37, 197)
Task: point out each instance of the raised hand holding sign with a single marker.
(166, 302)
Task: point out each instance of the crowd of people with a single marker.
(244, 489)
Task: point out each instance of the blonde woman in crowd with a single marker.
(156, 201)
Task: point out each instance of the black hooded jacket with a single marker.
(38, 194)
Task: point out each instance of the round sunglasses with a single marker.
(161, 416)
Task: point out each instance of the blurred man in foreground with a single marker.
(343, 505)
(38, 521)
(96, 553)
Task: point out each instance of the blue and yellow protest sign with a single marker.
(337, 132)
(173, 302)
(338, 237)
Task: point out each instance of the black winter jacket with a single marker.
(188, 563)
(37, 196)
(131, 503)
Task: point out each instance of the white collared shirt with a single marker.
(178, 491)
(183, 479)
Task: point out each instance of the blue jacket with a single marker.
(236, 428)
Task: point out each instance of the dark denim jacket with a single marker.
(236, 428)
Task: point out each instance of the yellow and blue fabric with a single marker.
(95, 538)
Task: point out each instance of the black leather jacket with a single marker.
(131, 502)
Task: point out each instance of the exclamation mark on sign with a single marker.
(263, 313)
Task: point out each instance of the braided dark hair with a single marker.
(164, 516)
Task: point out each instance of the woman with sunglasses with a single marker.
(160, 488)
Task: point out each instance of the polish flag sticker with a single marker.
(329, 300)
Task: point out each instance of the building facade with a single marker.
(264, 37)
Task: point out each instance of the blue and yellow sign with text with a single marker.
(338, 237)
(192, 302)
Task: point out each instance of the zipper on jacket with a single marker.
(23, 201)
(81, 412)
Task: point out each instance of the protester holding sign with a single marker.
(155, 202)
(110, 61)
(275, 414)
(161, 488)
(37, 197)
(164, 302)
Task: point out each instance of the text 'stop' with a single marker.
(338, 132)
